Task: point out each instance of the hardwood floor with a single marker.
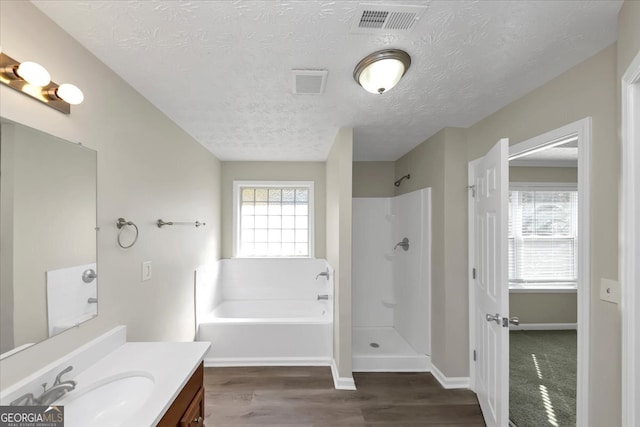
(305, 397)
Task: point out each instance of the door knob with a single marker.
(492, 318)
(514, 321)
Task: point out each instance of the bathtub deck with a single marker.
(305, 397)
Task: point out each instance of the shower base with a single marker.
(384, 350)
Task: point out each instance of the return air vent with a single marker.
(309, 82)
(385, 19)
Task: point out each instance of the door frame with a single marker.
(629, 272)
(581, 128)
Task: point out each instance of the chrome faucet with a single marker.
(324, 274)
(58, 379)
(323, 297)
(24, 400)
(55, 393)
(57, 390)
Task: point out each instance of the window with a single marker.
(273, 219)
(543, 236)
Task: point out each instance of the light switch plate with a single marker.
(610, 290)
(146, 270)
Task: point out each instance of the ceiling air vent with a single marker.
(385, 19)
(309, 82)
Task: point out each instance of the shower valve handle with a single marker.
(404, 244)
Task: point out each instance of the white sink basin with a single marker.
(108, 402)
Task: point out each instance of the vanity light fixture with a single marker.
(68, 93)
(33, 80)
(31, 72)
(380, 71)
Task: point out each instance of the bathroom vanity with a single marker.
(119, 383)
(187, 410)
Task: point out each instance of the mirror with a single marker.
(48, 270)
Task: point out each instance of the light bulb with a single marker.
(382, 75)
(33, 73)
(70, 94)
(35, 91)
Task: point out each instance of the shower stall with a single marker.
(391, 283)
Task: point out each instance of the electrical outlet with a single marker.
(146, 270)
(610, 290)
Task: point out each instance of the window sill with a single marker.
(542, 289)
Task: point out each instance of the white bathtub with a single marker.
(270, 329)
(272, 311)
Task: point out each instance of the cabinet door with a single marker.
(194, 416)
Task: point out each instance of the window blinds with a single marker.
(543, 232)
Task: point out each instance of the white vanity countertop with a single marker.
(170, 363)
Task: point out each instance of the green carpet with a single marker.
(542, 378)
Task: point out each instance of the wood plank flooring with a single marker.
(305, 397)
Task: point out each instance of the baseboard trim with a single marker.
(449, 382)
(544, 327)
(341, 383)
(265, 361)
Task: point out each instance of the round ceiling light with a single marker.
(382, 70)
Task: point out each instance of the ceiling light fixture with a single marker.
(380, 71)
(33, 79)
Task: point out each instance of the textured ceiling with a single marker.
(222, 69)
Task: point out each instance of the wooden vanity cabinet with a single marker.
(194, 416)
(188, 408)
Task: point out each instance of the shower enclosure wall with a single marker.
(391, 285)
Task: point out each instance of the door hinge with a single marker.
(474, 355)
(473, 272)
(473, 190)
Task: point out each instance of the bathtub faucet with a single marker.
(324, 274)
(323, 297)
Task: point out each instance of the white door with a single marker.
(490, 287)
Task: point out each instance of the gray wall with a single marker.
(544, 307)
(148, 168)
(440, 163)
(274, 171)
(373, 179)
(339, 217)
(540, 174)
(588, 89)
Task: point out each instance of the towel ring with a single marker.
(121, 224)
